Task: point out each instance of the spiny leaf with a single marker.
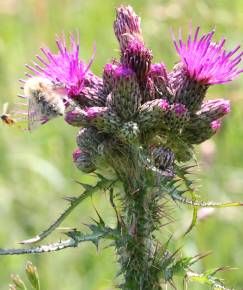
(98, 232)
(103, 184)
(206, 279)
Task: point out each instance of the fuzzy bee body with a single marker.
(45, 101)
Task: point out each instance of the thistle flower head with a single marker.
(208, 62)
(64, 67)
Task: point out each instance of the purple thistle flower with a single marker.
(64, 67)
(208, 62)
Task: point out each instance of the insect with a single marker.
(6, 117)
(46, 100)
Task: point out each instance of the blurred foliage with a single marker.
(36, 169)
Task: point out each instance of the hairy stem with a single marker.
(136, 247)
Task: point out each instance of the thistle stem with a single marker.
(136, 247)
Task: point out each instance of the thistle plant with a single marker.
(138, 125)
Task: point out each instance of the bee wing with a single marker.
(35, 116)
(5, 108)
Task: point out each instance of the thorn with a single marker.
(64, 229)
(71, 199)
(85, 186)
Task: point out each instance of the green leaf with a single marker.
(206, 279)
(75, 201)
(98, 231)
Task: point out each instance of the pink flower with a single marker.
(64, 67)
(208, 62)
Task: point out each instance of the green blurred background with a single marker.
(36, 169)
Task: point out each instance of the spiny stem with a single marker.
(70, 243)
(203, 203)
(137, 252)
(76, 238)
(136, 246)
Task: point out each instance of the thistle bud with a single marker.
(200, 133)
(137, 57)
(94, 113)
(32, 275)
(108, 76)
(83, 161)
(126, 96)
(152, 114)
(214, 109)
(88, 139)
(103, 119)
(129, 133)
(149, 91)
(76, 117)
(177, 117)
(158, 74)
(126, 25)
